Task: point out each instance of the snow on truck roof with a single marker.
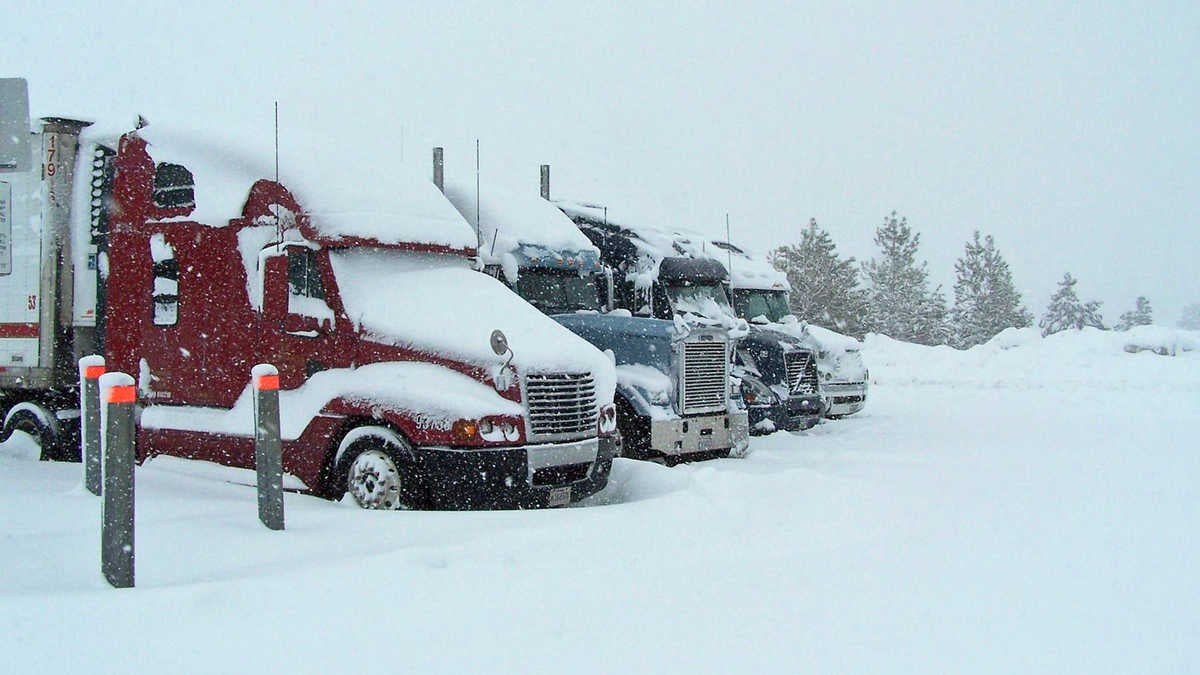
(745, 270)
(347, 192)
(655, 242)
(509, 218)
(751, 271)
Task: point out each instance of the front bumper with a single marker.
(796, 414)
(844, 398)
(705, 433)
(523, 477)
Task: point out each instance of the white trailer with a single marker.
(47, 292)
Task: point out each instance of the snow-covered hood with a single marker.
(438, 305)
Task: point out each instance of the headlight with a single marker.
(464, 431)
(509, 430)
(490, 429)
(756, 393)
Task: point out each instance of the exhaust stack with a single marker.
(439, 166)
(546, 182)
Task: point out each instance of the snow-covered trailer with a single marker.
(41, 333)
(760, 296)
(393, 387)
(674, 400)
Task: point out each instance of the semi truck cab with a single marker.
(407, 378)
(760, 296)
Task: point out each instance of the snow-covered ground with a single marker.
(1024, 509)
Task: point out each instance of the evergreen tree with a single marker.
(1191, 317)
(985, 300)
(1140, 315)
(824, 287)
(900, 304)
(1066, 311)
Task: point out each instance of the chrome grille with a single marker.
(560, 404)
(705, 376)
(801, 372)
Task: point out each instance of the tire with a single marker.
(377, 472)
(38, 422)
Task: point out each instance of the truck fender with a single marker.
(49, 433)
(391, 436)
(634, 398)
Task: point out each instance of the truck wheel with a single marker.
(378, 474)
(39, 423)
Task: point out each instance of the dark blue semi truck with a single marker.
(675, 397)
(670, 274)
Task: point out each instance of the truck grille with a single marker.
(705, 377)
(560, 404)
(801, 372)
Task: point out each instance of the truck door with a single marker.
(299, 321)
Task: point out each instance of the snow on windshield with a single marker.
(439, 305)
(708, 301)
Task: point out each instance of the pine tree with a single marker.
(1066, 311)
(824, 287)
(985, 300)
(1140, 315)
(900, 304)
(1191, 317)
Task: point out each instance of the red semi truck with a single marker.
(407, 379)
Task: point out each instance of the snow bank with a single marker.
(1023, 358)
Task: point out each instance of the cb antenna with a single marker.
(278, 220)
(729, 248)
(478, 232)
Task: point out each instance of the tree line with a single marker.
(891, 293)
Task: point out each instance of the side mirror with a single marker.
(499, 342)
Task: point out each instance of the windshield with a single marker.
(558, 293)
(707, 300)
(753, 303)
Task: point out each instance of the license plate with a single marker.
(706, 440)
(560, 496)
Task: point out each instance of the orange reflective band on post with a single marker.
(267, 382)
(126, 393)
(93, 372)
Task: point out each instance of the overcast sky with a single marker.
(1068, 131)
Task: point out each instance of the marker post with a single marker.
(90, 370)
(268, 448)
(119, 394)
